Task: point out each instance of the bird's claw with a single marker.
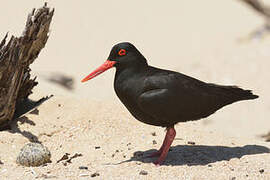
(157, 163)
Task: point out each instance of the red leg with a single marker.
(158, 153)
(170, 135)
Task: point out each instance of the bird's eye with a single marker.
(122, 52)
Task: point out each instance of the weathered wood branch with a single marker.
(15, 58)
(259, 6)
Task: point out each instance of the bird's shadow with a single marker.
(193, 155)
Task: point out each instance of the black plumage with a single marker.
(161, 97)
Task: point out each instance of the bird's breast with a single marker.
(128, 90)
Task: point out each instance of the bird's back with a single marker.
(175, 97)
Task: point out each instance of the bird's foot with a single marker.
(161, 159)
(157, 163)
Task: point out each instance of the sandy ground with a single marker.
(205, 39)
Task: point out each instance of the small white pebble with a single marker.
(83, 175)
(4, 170)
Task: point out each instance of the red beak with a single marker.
(107, 65)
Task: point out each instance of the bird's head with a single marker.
(122, 55)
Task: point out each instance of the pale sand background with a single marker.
(198, 38)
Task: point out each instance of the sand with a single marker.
(208, 41)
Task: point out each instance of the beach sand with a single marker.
(208, 40)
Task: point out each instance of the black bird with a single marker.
(161, 97)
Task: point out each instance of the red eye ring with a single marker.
(122, 52)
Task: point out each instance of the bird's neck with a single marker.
(131, 70)
(133, 67)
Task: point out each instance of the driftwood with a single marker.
(264, 11)
(259, 6)
(16, 56)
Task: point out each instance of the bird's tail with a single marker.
(241, 94)
(234, 93)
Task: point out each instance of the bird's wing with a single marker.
(175, 97)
